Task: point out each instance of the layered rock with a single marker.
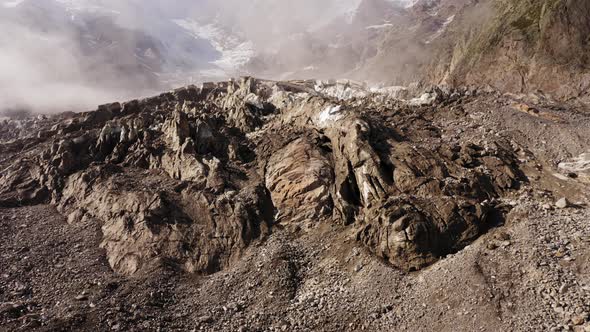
(300, 178)
(192, 177)
(146, 217)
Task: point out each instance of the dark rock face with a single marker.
(193, 177)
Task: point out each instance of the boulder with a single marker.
(300, 178)
(562, 203)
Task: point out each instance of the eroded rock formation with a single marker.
(194, 176)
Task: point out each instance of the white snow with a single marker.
(366, 191)
(347, 89)
(380, 26)
(350, 8)
(577, 165)
(442, 29)
(389, 89)
(88, 6)
(330, 114)
(404, 3)
(425, 99)
(234, 52)
(395, 92)
(342, 89)
(408, 3)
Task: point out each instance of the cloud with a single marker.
(41, 72)
(49, 63)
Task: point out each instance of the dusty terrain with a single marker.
(261, 206)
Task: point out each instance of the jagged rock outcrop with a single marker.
(192, 177)
(145, 216)
(299, 178)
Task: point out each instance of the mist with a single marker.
(71, 55)
(42, 72)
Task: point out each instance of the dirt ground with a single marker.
(531, 273)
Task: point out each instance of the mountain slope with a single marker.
(511, 45)
(531, 45)
(90, 52)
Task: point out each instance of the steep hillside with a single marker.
(511, 45)
(531, 45)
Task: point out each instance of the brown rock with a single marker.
(193, 177)
(300, 178)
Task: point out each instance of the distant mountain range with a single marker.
(154, 42)
(106, 49)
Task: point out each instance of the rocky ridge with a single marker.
(264, 205)
(195, 175)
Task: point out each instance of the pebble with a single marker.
(503, 236)
(563, 288)
(562, 203)
(578, 320)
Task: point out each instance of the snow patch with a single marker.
(342, 89)
(577, 165)
(366, 191)
(440, 31)
(346, 90)
(330, 114)
(390, 90)
(87, 6)
(425, 99)
(405, 3)
(380, 26)
(234, 52)
(350, 7)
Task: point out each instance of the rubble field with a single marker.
(255, 205)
